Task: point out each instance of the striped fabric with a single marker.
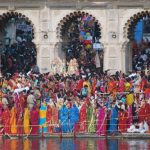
(42, 118)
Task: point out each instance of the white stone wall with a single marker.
(112, 21)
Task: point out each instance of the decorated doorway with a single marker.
(138, 33)
(18, 52)
(80, 34)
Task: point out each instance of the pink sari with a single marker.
(101, 122)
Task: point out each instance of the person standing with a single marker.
(113, 124)
(6, 119)
(26, 121)
(101, 120)
(64, 118)
(34, 118)
(122, 118)
(82, 117)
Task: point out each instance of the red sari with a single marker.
(20, 125)
(34, 117)
(54, 118)
(122, 126)
(144, 113)
(49, 119)
(82, 119)
(6, 121)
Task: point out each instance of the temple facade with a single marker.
(114, 17)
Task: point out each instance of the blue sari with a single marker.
(113, 120)
(73, 117)
(64, 118)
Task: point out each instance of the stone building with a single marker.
(114, 16)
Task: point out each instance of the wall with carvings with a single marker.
(112, 21)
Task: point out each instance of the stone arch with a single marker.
(129, 35)
(24, 34)
(131, 23)
(77, 17)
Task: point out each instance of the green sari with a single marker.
(91, 120)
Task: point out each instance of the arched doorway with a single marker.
(18, 52)
(137, 30)
(80, 35)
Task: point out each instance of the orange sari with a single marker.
(13, 126)
(54, 119)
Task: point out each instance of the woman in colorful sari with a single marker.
(93, 88)
(113, 118)
(49, 118)
(90, 118)
(1, 127)
(6, 120)
(87, 82)
(110, 85)
(26, 121)
(127, 85)
(20, 125)
(42, 118)
(121, 85)
(101, 120)
(13, 120)
(34, 118)
(73, 117)
(129, 101)
(122, 117)
(82, 117)
(64, 118)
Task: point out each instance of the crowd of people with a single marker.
(79, 34)
(89, 102)
(17, 50)
(141, 54)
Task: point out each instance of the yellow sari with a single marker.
(13, 126)
(26, 121)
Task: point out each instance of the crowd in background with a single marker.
(141, 55)
(78, 35)
(85, 103)
(17, 50)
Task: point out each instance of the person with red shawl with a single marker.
(121, 85)
(79, 84)
(82, 117)
(143, 83)
(144, 111)
(6, 119)
(34, 117)
(122, 117)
